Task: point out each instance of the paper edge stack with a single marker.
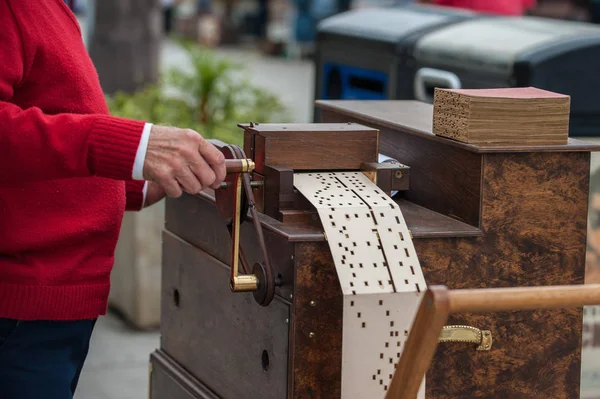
(507, 116)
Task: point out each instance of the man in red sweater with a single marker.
(68, 172)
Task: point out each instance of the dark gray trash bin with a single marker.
(559, 56)
(367, 53)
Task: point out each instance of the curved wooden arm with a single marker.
(525, 298)
(439, 302)
(421, 344)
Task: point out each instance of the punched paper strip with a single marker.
(379, 274)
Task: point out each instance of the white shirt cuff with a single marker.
(140, 156)
(145, 190)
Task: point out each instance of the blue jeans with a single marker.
(42, 359)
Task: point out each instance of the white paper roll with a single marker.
(379, 274)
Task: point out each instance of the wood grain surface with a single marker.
(524, 298)
(221, 338)
(196, 221)
(445, 179)
(416, 118)
(316, 336)
(313, 146)
(169, 380)
(425, 223)
(279, 190)
(534, 213)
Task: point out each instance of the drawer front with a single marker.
(169, 381)
(234, 346)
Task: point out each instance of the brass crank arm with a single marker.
(237, 282)
(231, 205)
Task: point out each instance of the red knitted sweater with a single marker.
(65, 168)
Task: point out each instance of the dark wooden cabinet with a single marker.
(479, 217)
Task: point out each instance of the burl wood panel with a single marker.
(169, 381)
(444, 178)
(313, 147)
(236, 347)
(534, 214)
(316, 359)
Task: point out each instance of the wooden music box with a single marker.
(301, 275)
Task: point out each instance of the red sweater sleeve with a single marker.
(38, 146)
(135, 195)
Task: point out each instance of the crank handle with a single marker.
(228, 199)
(244, 283)
(239, 165)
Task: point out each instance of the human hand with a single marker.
(154, 193)
(182, 160)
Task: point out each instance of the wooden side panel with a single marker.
(321, 150)
(443, 178)
(534, 224)
(169, 380)
(164, 386)
(237, 348)
(199, 223)
(316, 351)
(425, 223)
(249, 144)
(259, 153)
(279, 190)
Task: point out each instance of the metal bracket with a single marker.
(483, 338)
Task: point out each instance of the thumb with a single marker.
(154, 193)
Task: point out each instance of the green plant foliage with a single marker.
(212, 98)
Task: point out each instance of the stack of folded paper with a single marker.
(523, 116)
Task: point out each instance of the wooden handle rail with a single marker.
(531, 298)
(439, 302)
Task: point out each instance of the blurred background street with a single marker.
(140, 61)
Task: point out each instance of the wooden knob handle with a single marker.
(239, 165)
